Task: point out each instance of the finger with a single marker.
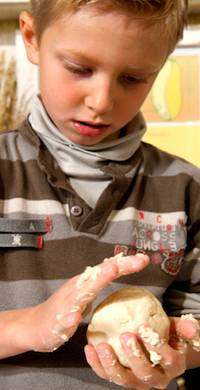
(186, 328)
(112, 268)
(94, 362)
(178, 344)
(86, 286)
(115, 371)
(94, 279)
(81, 290)
(63, 328)
(140, 364)
(128, 264)
(65, 325)
(172, 362)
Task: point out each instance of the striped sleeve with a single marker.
(183, 296)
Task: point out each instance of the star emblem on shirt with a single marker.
(16, 239)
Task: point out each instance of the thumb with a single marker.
(187, 328)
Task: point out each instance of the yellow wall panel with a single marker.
(172, 109)
(183, 141)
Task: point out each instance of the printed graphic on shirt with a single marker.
(161, 236)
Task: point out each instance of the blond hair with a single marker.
(174, 12)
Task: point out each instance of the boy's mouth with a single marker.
(89, 128)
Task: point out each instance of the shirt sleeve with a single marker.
(183, 295)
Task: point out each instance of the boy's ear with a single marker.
(29, 37)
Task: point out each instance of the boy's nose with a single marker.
(100, 100)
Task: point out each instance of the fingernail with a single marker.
(183, 328)
(103, 353)
(192, 331)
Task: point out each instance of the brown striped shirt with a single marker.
(48, 234)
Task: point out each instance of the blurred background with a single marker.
(172, 109)
(173, 106)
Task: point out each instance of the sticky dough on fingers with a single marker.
(128, 310)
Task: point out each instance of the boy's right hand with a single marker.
(51, 323)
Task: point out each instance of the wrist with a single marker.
(16, 332)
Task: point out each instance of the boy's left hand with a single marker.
(143, 375)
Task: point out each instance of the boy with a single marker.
(86, 189)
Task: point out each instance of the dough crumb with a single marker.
(89, 273)
(155, 358)
(149, 336)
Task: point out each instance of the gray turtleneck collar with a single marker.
(83, 163)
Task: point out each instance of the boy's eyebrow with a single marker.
(80, 56)
(148, 70)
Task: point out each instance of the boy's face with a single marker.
(95, 71)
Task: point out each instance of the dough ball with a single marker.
(126, 310)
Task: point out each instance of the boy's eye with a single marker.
(128, 79)
(79, 70)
